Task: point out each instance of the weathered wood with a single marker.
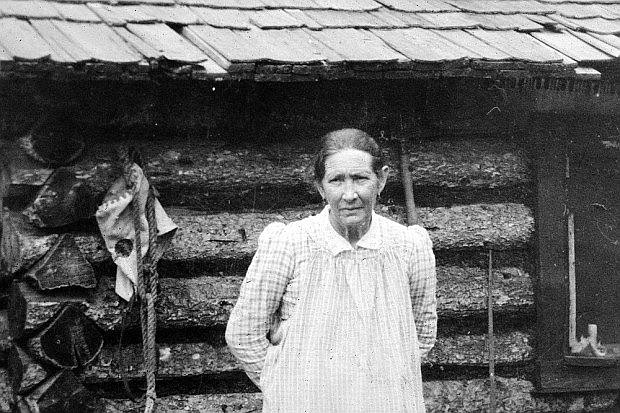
(5, 337)
(29, 309)
(218, 237)
(467, 396)
(212, 239)
(194, 359)
(216, 176)
(203, 302)
(22, 244)
(66, 199)
(64, 265)
(63, 392)
(6, 392)
(25, 373)
(71, 340)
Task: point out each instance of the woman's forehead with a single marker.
(348, 160)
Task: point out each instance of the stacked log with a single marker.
(474, 195)
(45, 364)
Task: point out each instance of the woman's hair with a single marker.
(342, 139)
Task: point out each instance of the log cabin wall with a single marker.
(228, 158)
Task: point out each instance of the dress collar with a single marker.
(336, 243)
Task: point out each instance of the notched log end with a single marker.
(69, 341)
(64, 265)
(25, 373)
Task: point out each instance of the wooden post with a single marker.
(491, 338)
(572, 289)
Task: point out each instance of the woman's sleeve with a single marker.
(422, 282)
(260, 296)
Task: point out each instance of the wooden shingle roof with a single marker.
(290, 39)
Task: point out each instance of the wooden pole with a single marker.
(491, 338)
(572, 289)
(412, 214)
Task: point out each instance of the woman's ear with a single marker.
(319, 188)
(383, 176)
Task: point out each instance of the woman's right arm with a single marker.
(261, 293)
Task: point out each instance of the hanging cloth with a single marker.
(114, 217)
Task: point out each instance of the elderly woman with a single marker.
(337, 309)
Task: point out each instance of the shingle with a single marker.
(418, 5)
(223, 42)
(143, 2)
(345, 19)
(4, 56)
(521, 46)
(450, 20)
(231, 19)
(389, 17)
(20, 40)
(76, 12)
(99, 41)
(28, 9)
(272, 48)
(172, 14)
(304, 44)
(291, 4)
(571, 46)
(412, 19)
(352, 5)
(357, 45)
(595, 25)
(63, 49)
(171, 44)
(502, 6)
(483, 21)
(543, 20)
(506, 22)
(273, 19)
(580, 11)
(423, 45)
(613, 10)
(225, 4)
(599, 44)
(607, 38)
(137, 43)
(120, 15)
(474, 44)
(302, 17)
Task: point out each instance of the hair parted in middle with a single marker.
(342, 139)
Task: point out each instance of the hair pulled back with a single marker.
(342, 139)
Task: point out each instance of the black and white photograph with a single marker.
(309, 206)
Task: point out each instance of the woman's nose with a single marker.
(350, 192)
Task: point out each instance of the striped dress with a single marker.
(321, 326)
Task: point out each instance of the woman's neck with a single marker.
(351, 233)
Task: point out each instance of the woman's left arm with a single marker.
(422, 282)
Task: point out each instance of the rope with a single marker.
(147, 277)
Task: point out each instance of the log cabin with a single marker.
(510, 114)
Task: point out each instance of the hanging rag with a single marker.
(115, 220)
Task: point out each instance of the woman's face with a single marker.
(350, 187)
